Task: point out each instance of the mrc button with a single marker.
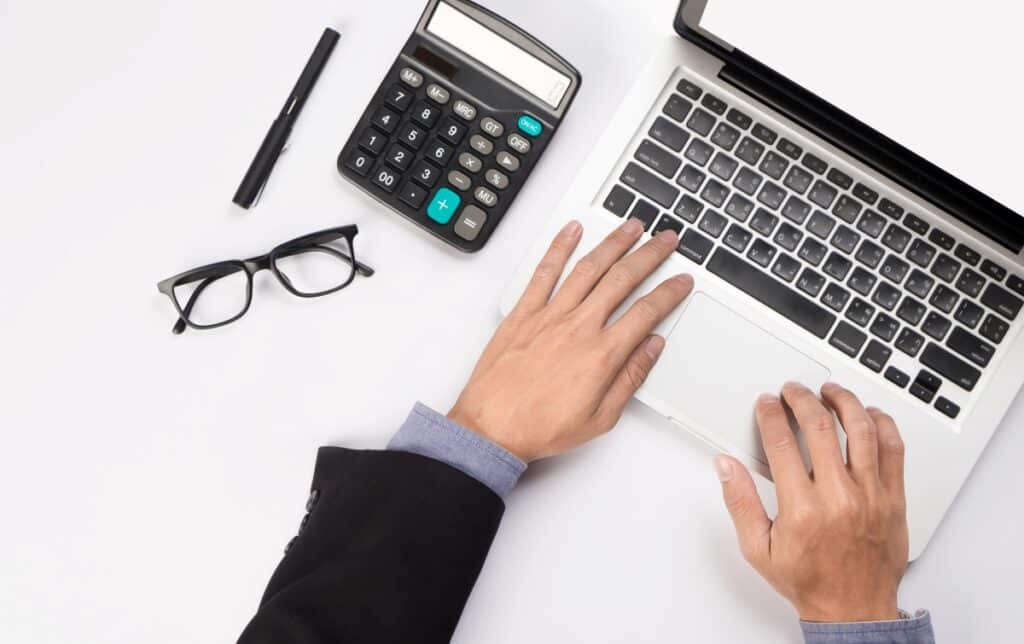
(530, 126)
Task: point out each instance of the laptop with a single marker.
(844, 180)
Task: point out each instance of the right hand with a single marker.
(839, 546)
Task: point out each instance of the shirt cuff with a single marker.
(910, 630)
(435, 436)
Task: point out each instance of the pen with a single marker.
(263, 164)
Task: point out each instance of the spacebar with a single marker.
(771, 293)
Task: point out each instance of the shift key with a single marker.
(946, 364)
(649, 185)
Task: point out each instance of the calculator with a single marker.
(460, 122)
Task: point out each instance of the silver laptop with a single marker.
(845, 183)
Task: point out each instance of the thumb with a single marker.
(753, 527)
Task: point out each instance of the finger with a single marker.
(647, 313)
(861, 433)
(753, 527)
(819, 428)
(589, 270)
(630, 272)
(891, 453)
(550, 269)
(629, 379)
(780, 446)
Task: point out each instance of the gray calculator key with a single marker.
(486, 197)
(496, 179)
(459, 180)
(438, 94)
(470, 223)
(481, 144)
(470, 162)
(492, 128)
(519, 143)
(411, 77)
(464, 110)
(508, 161)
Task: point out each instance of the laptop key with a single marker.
(813, 252)
(618, 201)
(969, 256)
(739, 207)
(772, 293)
(894, 269)
(796, 210)
(922, 393)
(699, 152)
(848, 339)
(994, 329)
(835, 297)
(667, 222)
(786, 267)
(993, 270)
(644, 212)
(840, 179)
(750, 150)
(1015, 284)
(970, 283)
(688, 89)
(870, 254)
(876, 356)
(887, 296)
(788, 236)
(771, 195)
(774, 166)
(971, 347)
(678, 107)
(941, 239)
(764, 134)
(725, 136)
(950, 367)
(897, 377)
(1002, 301)
(738, 238)
(669, 134)
(945, 267)
(847, 209)
(921, 253)
(947, 407)
(748, 181)
(920, 284)
(657, 159)
(845, 239)
(821, 225)
(889, 208)
(862, 281)
(691, 178)
(871, 224)
(764, 222)
(713, 223)
(885, 327)
(823, 194)
(694, 246)
(865, 194)
(911, 311)
(916, 224)
(649, 185)
(798, 180)
(723, 166)
(936, 326)
(689, 208)
(896, 238)
(714, 104)
(944, 298)
(811, 282)
(910, 342)
(838, 266)
(790, 149)
(814, 164)
(762, 253)
(701, 122)
(715, 193)
(969, 314)
(739, 119)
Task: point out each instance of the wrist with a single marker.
(476, 424)
(843, 612)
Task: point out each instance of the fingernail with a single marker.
(655, 345)
(767, 399)
(684, 279)
(633, 227)
(829, 386)
(723, 467)
(572, 228)
(669, 236)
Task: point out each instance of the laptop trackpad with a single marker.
(715, 366)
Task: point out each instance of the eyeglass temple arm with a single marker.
(181, 325)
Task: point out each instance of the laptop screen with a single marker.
(943, 79)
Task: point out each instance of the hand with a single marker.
(556, 374)
(839, 546)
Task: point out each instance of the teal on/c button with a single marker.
(444, 206)
(530, 126)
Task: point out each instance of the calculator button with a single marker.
(413, 195)
(492, 128)
(470, 223)
(443, 206)
(399, 157)
(425, 174)
(464, 110)
(486, 197)
(399, 98)
(373, 142)
(411, 77)
(519, 144)
(470, 162)
(360, 163)
(426, 114)
(459, 180)
(481, 144)
(530, 126)
(508, 161)
(412, 136)
(496, 179)
(440, 153)
(385, 120)
(386, 179)
(438, 94)
(452, 131)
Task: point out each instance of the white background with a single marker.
(149, 482)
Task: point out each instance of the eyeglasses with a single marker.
(314, 265)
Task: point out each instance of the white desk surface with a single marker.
(149, 482)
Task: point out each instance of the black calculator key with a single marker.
(386, 179)
(772, 293)
(689, 208)
(947, 407)
(862, 281)
(941, 239)
(994, 329)
(764, 134)
(694, 246)
(425, 173)
(860, 312)
(971, 347)
(889, 208)
(426, 114)
(944, 298)
(885, 327)
(916, 224)
(840, 179)
(412, 136)
(811, 282)
(790, 149)
(774, 166)
(848, 339)
(847, 209)
(786, 267)
(969, 314)
(452, 131)
(838, 266)
(910, 342)
(385, 120)
(835, 297)
(699, 152)
(936, 326)
(912, 311)
(969, 256)
(657, 159)
(668, 134)
(645, 212)
(871, 224)
(897, 377)
(713, 223)
(876, 356)
(723, 166)
(750, 150)
(725, 136)
(865, 194)
(399, 97)
(701, 122)
(373, 141)
(764, 222)
(950, 366)
(399, 157)
(439, 153)
(970, 283)
(739, 119)
(677, 107)
(668, 222)
(359, 162)
(813, 252)
(896, 238)
(688, 89)
(413, 194)
(1002, 301)
(691, 178)
(738, 238)
(618, 201)
(649, 185)
(714, 104)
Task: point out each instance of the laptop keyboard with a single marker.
(834, 256)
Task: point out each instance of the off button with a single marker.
(530, 126)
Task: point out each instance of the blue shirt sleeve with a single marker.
(433, 435)
(911, 630)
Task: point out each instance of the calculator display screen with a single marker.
(469, 36)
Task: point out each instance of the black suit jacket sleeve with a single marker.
(389, 553)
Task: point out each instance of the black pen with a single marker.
(259, 171)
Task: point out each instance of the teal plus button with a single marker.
(444, 206)
(530, 126)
